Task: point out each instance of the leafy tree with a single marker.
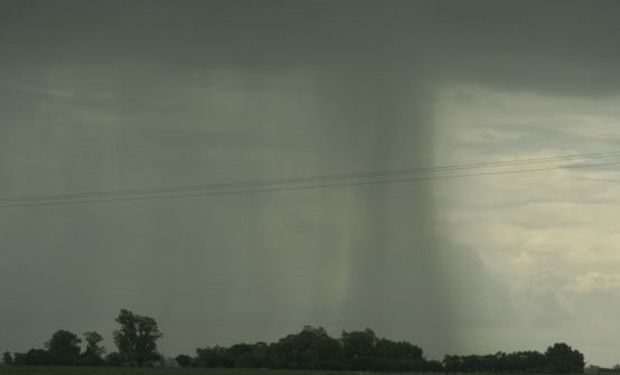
(561, 358)
(399, 356)
(262, 355)
(216, 356)
(312, 348)
(453, 363)
(37, 357)
(113, 359)
(359, 344)
(322, 349)
(64, 348)
(525, 361)
(398, 350)
(183, 360)
(432, 366)
(136, 339)
(93, 354)
(19, 359)
(242, 355)
(7, 358)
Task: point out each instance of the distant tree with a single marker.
(242, 355)
(359, 344)
(19, 359)
(7, 358)
(262, 355)
(453, 363)
(93, 354)
(312, 348)
(136, 339)
(397, 350)
(432, 366)
(37, 357)
(322, 349)
(113, 359)
(64, 348)
(183, 360)
(561, 358)
(399, 356)
(527, 361)
(215, 356)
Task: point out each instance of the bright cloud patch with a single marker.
(548, 230)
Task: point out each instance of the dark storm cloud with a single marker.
(116, 94)
(561, 45)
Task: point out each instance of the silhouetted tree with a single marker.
(242, 355)
(525, 361)
(37, 357)
(397, 350)
(399, 356)
(452, 363)
(183, 360)
(7, 358)
(432, 366)
(64, 348)
(136, 340)
(312, 348)
(19, 359)
(262, 355)
(359, 344)
(561, 358)
(216, 356)
(113, 359)
(93, 354)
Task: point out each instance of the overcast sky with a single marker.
(108, 95)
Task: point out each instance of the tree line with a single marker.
(312, 348)
(136, 341)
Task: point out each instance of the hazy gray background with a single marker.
(120, 95)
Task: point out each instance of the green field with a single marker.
(58, 370)
(75, 370)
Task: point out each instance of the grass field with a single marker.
(75, 370)
(58, 370)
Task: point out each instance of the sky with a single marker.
(117, 95)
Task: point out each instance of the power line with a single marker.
(303, 187)
(299, 180)
(185, 188)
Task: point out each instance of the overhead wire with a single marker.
(292, 180)
(324, 181)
